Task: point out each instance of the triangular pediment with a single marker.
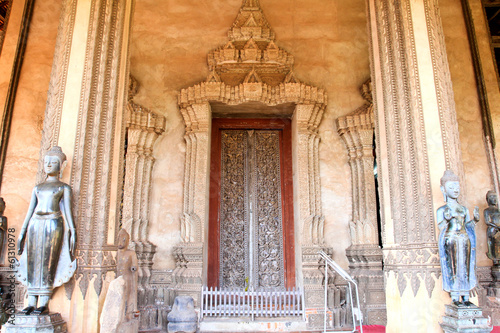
(290, 78)
(213, 77)
(251, 47)
(229, 46)
(252, 77)
(251, 23)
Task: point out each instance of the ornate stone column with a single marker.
(307, 195)
(417, 139)
(364, 254)
(188, 274)
(85, 115)
(143, 128)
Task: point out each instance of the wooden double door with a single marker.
(251, 228)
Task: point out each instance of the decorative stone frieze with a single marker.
(194, 103)
(416, 139)
(251, 68)
(98, 116)
(143, 129)
(364, 254)
(85, 115)
(356, 130)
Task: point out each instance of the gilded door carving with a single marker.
(251, 224)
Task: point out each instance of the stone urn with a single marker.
(183, 317)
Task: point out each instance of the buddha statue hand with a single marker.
(20, 241)
(72, 241)
(476, 214)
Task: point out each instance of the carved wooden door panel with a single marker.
(251, 217)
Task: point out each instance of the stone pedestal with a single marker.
(51, 323)
(183, 317)
(465, 319)
(494, 287)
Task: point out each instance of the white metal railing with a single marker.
(357, 315)
(240, 303)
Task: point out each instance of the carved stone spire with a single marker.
(251, 23)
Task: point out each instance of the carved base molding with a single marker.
(188, 273)
(159, 296)
(90, 264)
(365, 265)
(314, 291)
(146, 295)
(413, 264)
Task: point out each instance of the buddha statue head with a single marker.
(491, 198)
(123, 239)
(54, 161)
(450, 185)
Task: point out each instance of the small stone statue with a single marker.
(119, 313)
(3, 230)
(457, 242)
(48, 237)
(183, 317)
(492, 219)
(126, 262)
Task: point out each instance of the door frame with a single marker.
(285, 127)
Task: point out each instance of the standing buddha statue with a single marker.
(457, 242)
(47, 239)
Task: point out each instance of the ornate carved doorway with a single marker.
(251, 214)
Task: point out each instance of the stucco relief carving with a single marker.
(401, 131)
(97, 121)
(365, 254)
(444, 90)
(414, 264)
(250, 67)
(57, 85)
(143, 128)
(356, 130)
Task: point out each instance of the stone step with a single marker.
(221, 325)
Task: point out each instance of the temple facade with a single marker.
(236, 140)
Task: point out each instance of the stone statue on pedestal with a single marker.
(47, 239)
(119, 312)
(457, 242)
(457, 250)
(492, 219)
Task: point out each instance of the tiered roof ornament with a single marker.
(251, 67)
(251, 23)
(251, 47)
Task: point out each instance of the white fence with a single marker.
(241, 303)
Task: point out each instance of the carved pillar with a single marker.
(188, 274)
(307, 196)
(417, 139)
(365, 254)
(85, 115)
(143, 128)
